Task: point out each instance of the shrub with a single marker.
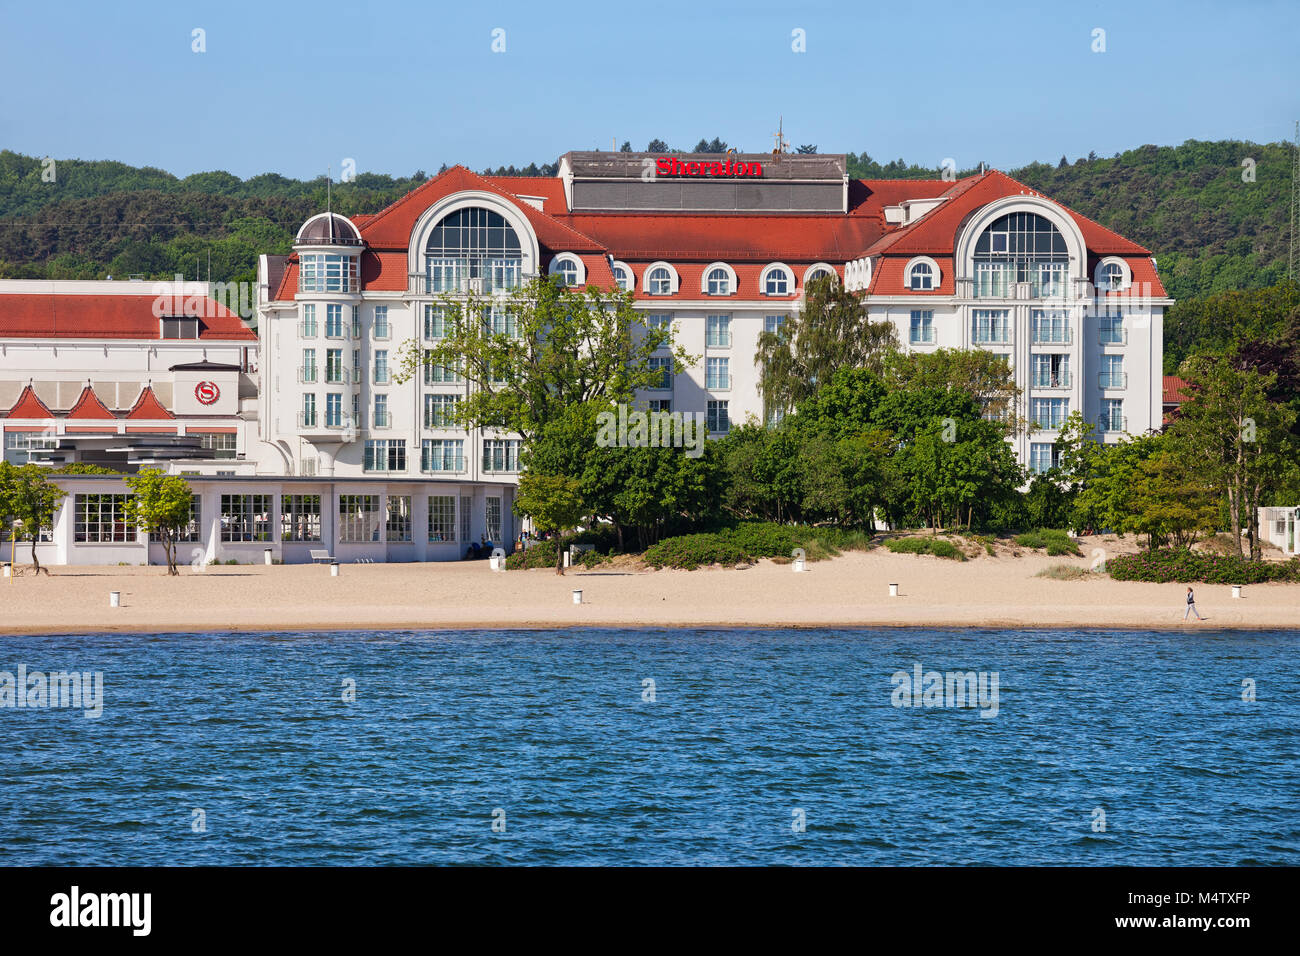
(939, 547)
(689, 551)
(1064, 572)
(1031, 539)
(1171, 566)
(541, 554)
(1054, 540)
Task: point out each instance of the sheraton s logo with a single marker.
(670, 166)
(207, 393)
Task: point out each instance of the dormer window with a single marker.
(777, 280)
(569, 268)
(718, 282)
(622, 277)
(920, 277)
(1111, 276)
(180, 327)
(659, 281)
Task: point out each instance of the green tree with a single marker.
(162, 507)
(542, 350)
(1236, 437)
(30, 499)
(554, 502)
(1168, 502)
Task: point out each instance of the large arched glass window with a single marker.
(921, 277)
(472, 243)
(1021, 247)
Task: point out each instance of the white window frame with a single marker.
(674, 280)
(706, 279)
(569, 259)
(773, 270)
(936, 275)
(1098, 276)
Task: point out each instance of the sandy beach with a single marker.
(849, 590)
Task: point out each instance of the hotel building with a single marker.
(721, 247)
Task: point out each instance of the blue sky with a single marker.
(295, 87)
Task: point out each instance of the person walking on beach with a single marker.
(1191, 606)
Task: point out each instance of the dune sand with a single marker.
(850, 590)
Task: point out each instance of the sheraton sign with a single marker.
(671, 166)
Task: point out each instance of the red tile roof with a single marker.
(47, 315)
(391, 227)
(1174, 390)
(147, 406)
(88, 405)
(29, 406)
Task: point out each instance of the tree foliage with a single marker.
(28, 502)
(162, 507)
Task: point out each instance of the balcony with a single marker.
(382, 420)
(307, 374)
(307, 419)
(1052, 380)
(336, 375)
(1053, 337)
(1112, 423)
(334, 332)
(382, 376)
(718, 383)
(441, 464)
(921, 337)
(1107, 336)
(307, 330)
(717, 340)
(1112, 380)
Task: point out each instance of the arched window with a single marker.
(472, 243)
(777, 281)
(1111, 277)
(567, 270)
(660, 281)
(622, 277)
(718, 282)
(1021, 247)
(818, 272)
(920, 277)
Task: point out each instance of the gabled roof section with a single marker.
(147, 406)
(391, 227)
(936, 232)
(88, 405)
(29, 406)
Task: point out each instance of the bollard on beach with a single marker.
(577, 596)
(334, 569)
(893, 590)
(114, 598)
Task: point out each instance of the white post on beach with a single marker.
(334, 569)
(266, 555)
(799, 556)
(577, 596)
(8, 571)
(114, 598)
(568, 557)
(893, 590)
(1236, 590)
(497, 562)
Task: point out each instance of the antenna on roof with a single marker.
(781, 143)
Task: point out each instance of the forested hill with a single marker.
(1209, 229)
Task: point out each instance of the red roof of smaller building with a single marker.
(29, 406)
(49, 315)
(88, 405)
(147, 406)
(1173, 390)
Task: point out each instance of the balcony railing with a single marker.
(439, 463)
(336, 376)
(1112, 423)
(922, 337)
(307, 330)
(717, 340)
(382, 420)
(335, 332)
(1053, 337)
(1107, 336)
(307, 374)
(306, 419)
(1112, 380)
(1052, 380)
(382, 375)
(718, 383)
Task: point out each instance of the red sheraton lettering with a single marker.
(671, 166)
